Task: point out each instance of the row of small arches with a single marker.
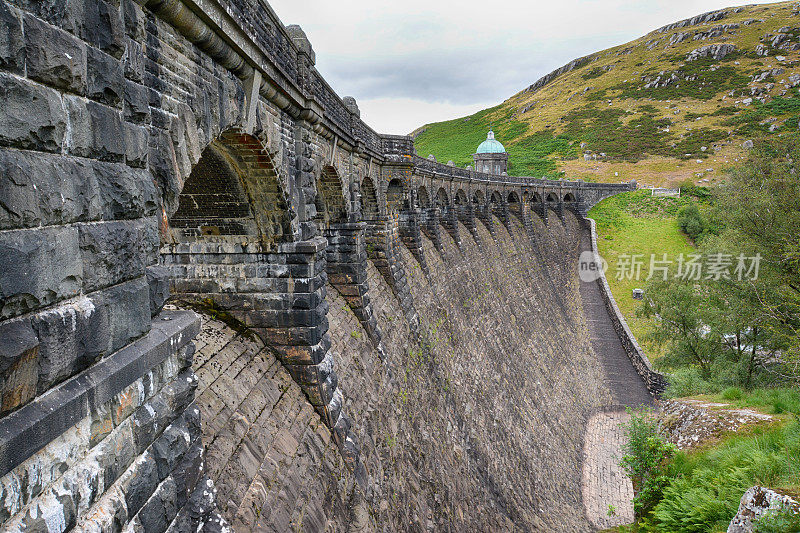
(478, 198)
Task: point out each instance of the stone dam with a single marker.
(227, 304)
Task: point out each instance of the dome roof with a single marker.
(491, 146)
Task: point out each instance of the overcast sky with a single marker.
(417, 61)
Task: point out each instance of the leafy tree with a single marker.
(759, 207)
(680, 307)
(646, 459)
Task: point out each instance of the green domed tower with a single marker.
(491, 156)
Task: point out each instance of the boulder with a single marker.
(757, 502)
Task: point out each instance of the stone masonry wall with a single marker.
(480, 425)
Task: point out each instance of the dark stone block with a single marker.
(158, 278)
(128, 308)
(46, 190)
(103, 27)
(136, 149)
(168, 449)
(19, 353)
(96, 130)
(12, 43)
(137, 106)
(105, 81)
(38, 268)
(113, 252)
(159, 511)
(32, 116)
(163, 165)
(125, 192)
(141, 485)
(133, 59)
(54, 57)
(188, 473)
(18, 338)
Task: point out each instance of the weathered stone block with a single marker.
(169, 449)
(19, 352)
(102, 27)
(139, 483)
(105, 80)
(160, 509)
(133, 59)
(113, 252)
(158, 278)
(38, 268)
(136, 148)
(128, 309)
(61, 332)
(317, 381)
(12, 43)
(137, 105)
(96, 130)
(125, 192)
(32, 117)
(46, 190)
(54, 57)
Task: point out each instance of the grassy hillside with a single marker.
(635, 223)
(653, 109)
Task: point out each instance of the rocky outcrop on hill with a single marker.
(715, 51)
(572, 65)
(690, 423)
(712, 16)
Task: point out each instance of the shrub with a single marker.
(687, 381)
(646, 459)
(732, 393)
(691, 221)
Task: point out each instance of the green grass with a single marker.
(637, 223)
(707, 486)
(773, 401)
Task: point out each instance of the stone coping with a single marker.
(655, 381)
(26, 431)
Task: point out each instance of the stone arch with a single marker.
(496, 198)
(330, 200)
(422, 197)
(369, 200)
(569, 198)
(232, 191)
(479, 198)
(536, 198)
(442, 199)
(551, 197)
(512, 198)
(395, 197)
(461, 197)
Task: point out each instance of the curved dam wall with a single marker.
(479, 424)
(475, 425)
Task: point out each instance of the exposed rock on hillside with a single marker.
(569, 67)
(690, 423)
(714, 51)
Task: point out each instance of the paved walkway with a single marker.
(603, 481)
(607, 491)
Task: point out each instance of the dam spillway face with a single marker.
(226, 303)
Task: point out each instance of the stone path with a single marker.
(604, 483)
(627, 387)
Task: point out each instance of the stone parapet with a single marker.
(655, 381)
